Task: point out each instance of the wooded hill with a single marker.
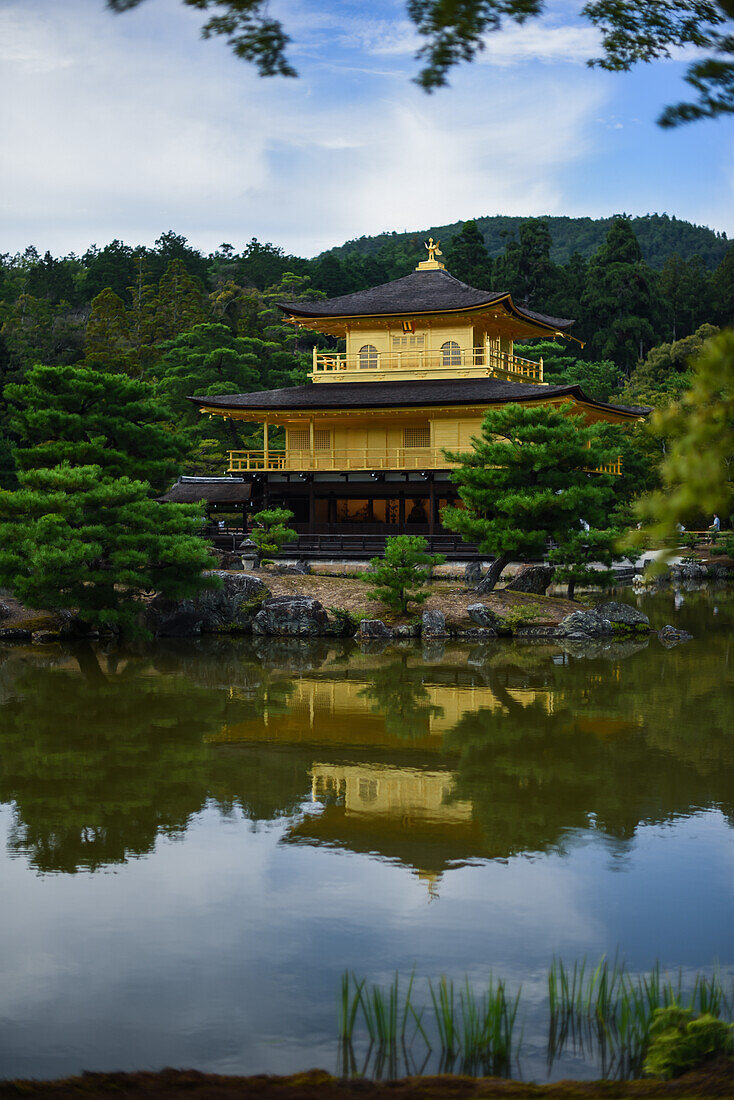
(659, 235)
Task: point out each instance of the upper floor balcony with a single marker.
(448, 361)
(343, 460)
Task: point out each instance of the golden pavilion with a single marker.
(363, 453)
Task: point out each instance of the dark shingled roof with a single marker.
(420, 292)
(376, 395)
(214, 490)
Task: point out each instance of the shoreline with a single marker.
(713, 1080)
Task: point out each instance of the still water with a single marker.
(197, 839)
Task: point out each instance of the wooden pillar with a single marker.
(265, 442)
(311, 508)
(311, 443)
(401, 512)
(431, 507)
(331, 517)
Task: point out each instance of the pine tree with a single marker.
(141, 317)
(206, 361)
(107, 342)
(180, 303)
(87, 417)
(467, 257)
(623, 311)
(71, 537)
(401, 573)
(270, 532)
(529, 479)
(722, 288)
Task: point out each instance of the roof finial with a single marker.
(431, 264)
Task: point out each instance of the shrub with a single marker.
(405, 568)
(270, 532)
(679, 1041)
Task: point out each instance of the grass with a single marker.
(602, 1012)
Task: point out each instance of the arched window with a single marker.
(368, 357)
(451, 354)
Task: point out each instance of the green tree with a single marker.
(108, 336)
(402, 572)
(525, 268)
(665, 375)
(206, 361)
(622, 308)
(112, 266)
(467, 257)
(685, 286)
(528, 479)
(584, 556)
(698, 468)
(722, 290)
(71, 537)
(270, 532)
(87, 417)
(180, 303)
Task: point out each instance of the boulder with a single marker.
(434, 624)
(291, 617)
(671, 636)
(405, 631)
(472, 574)
(584, 624)
(535, 579)
(623, 616)
(228, 560)
(478, 633)
(230, 609)
(299, 569)
(4, 611)
(482, 616)
(374, 628)
(689, 571)
(45, 637)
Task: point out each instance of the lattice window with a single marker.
(368, 357)
(451, 353)
(299, 439)
(399, 342)
(417, 436)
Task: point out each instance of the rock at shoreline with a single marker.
(483, 616)
(229, 609)
(5, 612)
(670, 636)
(291, 617)
(623, 615)
(583, 625)
(374, 628)
(534, 579)
(434, 624)
(472, 574)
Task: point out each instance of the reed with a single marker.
(604, 1012)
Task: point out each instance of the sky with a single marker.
(125, 126)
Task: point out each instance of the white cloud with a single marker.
(136, 126)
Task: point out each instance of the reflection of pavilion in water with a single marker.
(383, 790)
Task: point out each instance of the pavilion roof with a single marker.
(214, 490)
(423, 393)
(434, 291)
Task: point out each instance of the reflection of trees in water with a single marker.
(399, 694)
(626, 741)
(98, 766)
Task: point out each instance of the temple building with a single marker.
(359, 449)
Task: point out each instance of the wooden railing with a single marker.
(439, 364)
(358, 458)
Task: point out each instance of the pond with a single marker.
(197, 839)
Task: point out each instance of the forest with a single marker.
(183, 322)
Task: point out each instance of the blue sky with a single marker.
(125, 126)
